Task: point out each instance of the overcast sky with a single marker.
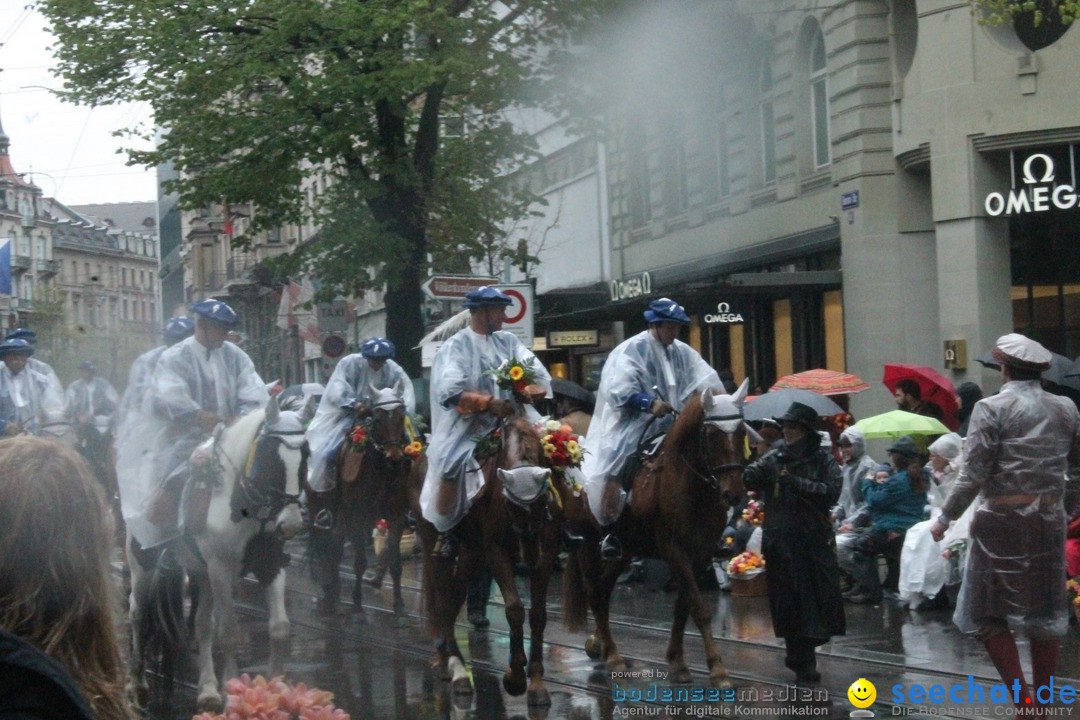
(69, 148)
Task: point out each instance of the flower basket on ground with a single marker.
(747, 573)
(262, 699)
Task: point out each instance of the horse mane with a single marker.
(236, 439)
(687, 423)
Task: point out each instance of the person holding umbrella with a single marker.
(799, 482)
(1023, 458)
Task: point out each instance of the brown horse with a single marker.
(678, 510)
(515, 515)
(371, 484)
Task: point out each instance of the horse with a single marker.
(695, 477)
(256, 465)
(371, 484)
(515, 515)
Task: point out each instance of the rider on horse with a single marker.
(645, 378)
(348, 398)
(24, 333)
(91, 400)
(25, 393)
(197, 384)
(466, 404)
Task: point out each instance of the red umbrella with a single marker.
(935, 388)
(823, 382)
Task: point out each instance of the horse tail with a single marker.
(162, 624)
(575, 600)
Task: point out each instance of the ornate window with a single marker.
(819, 98)
(768, 124)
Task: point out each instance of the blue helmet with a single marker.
(486, 296)
(15, 345)
(22, 333)
(377, 348)
(178, 328)
(217, 311)
(666, 310)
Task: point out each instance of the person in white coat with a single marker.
(466, 403)
(91, 400)
(347, 397)
(24, 333)
(644, 379)
(26, 395)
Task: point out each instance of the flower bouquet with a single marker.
(747, 571)
(414, 449)
(517, 376)
(487, 444)
(1072, 585)
(358, 438)
(754, 512)
(562, 447)
(262, 699)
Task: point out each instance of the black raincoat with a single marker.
(34, 686)
(798, 484)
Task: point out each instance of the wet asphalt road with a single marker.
(378, 671)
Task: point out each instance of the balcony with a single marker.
(238, 273)
(20, 263)
(48, 267)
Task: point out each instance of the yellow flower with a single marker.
(572, 446)
(549, 450)
(516, 373)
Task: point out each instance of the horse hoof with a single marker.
(721, 681)
(514, 686)
(209, 704)
(539, 698)
(461, 686)
(680, 676)
(593, 647)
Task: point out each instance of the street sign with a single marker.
(333, 346)
(453, 287)
(519, 316)
(334, 316)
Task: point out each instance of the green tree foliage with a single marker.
(258, 97)
(999, 12)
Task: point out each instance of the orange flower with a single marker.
(414, 448)
(516, 372)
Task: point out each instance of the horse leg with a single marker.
(679, 562)
(537, 694)
(600, 582)
(393, 562)
(360, 524)
(514, 680)
(677, 670)
(209, 698)
(460, 684)
(137, 687)
(279, 624)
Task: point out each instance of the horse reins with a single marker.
(713, 470)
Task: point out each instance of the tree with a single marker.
(998, 12)
(258, 98)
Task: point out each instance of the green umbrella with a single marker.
(899, 422)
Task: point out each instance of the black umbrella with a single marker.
(776, 402)
(573, 391)
(1062, 371)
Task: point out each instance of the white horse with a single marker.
(254, 508)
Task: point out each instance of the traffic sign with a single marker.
(519, 316)
(333, 346)
(453, 287)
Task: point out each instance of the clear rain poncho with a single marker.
(134, 435)
(635, 366)
(96, 399)
(460, 365)
(26, 398)
(350, 383)
(1022, 459)
(189, 379)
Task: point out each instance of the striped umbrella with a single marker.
(823, 382)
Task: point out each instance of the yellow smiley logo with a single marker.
(862, 693)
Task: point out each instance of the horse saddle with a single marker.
(648, 449)
(642, 483)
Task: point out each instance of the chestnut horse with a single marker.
(677, 512)
(515, 515)
(371, 484)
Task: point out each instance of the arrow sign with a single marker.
(453, 287)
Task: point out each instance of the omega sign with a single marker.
(1038, 196)
(723, 314)
(632, 287)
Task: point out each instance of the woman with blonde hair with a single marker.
(59, 655)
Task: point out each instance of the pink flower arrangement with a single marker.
(262, 699)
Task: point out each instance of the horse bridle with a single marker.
(267, 502)
(382, 446)
(712, 470)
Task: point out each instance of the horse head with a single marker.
(272, 475)
(523, 479)
(55, 424)
(723, 438)
(388, 420)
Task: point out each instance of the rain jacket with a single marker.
(351, 382)
(188, 379)
(35, 686)
(96, 399)
(851, 509)
(797, 537)
(893, 505)
(26, 397)
(1023, 456)
(460, 365)
(134, 436)
(631, 371)
(46, 369)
